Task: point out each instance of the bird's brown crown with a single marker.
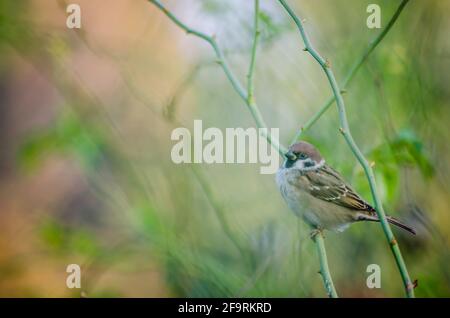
(306, 148)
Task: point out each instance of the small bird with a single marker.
(318, 193)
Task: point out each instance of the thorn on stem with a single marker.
(415, 283)
(343, 91)
(303, 20)
(372, 164)
(393, 242)
(327, 63)
(411, 286)
(342, 130)
(305, 49)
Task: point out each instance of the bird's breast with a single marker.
(289, 184)
(315, 212)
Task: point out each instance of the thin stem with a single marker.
(356, 66)
(324, 270)
(345, 130)
(250, 100)
(251, 69)
(238, 87)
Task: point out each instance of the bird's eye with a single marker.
(302, 156)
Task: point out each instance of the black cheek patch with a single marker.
(289, 163)
(308, 164)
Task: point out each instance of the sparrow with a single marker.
(319, 195)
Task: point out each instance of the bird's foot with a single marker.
(314, 233)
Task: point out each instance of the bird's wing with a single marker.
(328, 185)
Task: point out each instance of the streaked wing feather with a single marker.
(326, 184)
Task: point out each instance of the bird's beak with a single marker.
(290, 155)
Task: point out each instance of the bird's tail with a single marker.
(400, 224)
(393, 221)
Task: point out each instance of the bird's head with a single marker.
(304, 157)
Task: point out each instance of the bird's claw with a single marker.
(314, 233)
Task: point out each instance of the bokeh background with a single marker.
(85, 169)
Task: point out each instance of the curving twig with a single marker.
(345, 130)
(251, 69)
(238, 87)
(372, 45)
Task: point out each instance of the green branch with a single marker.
(345, 130)
(324, 270)
(356, 66)
(251, 69)
(238, 87)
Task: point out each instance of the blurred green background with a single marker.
(85, 169)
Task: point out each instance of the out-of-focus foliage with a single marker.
(62, 240)
(70, 136)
